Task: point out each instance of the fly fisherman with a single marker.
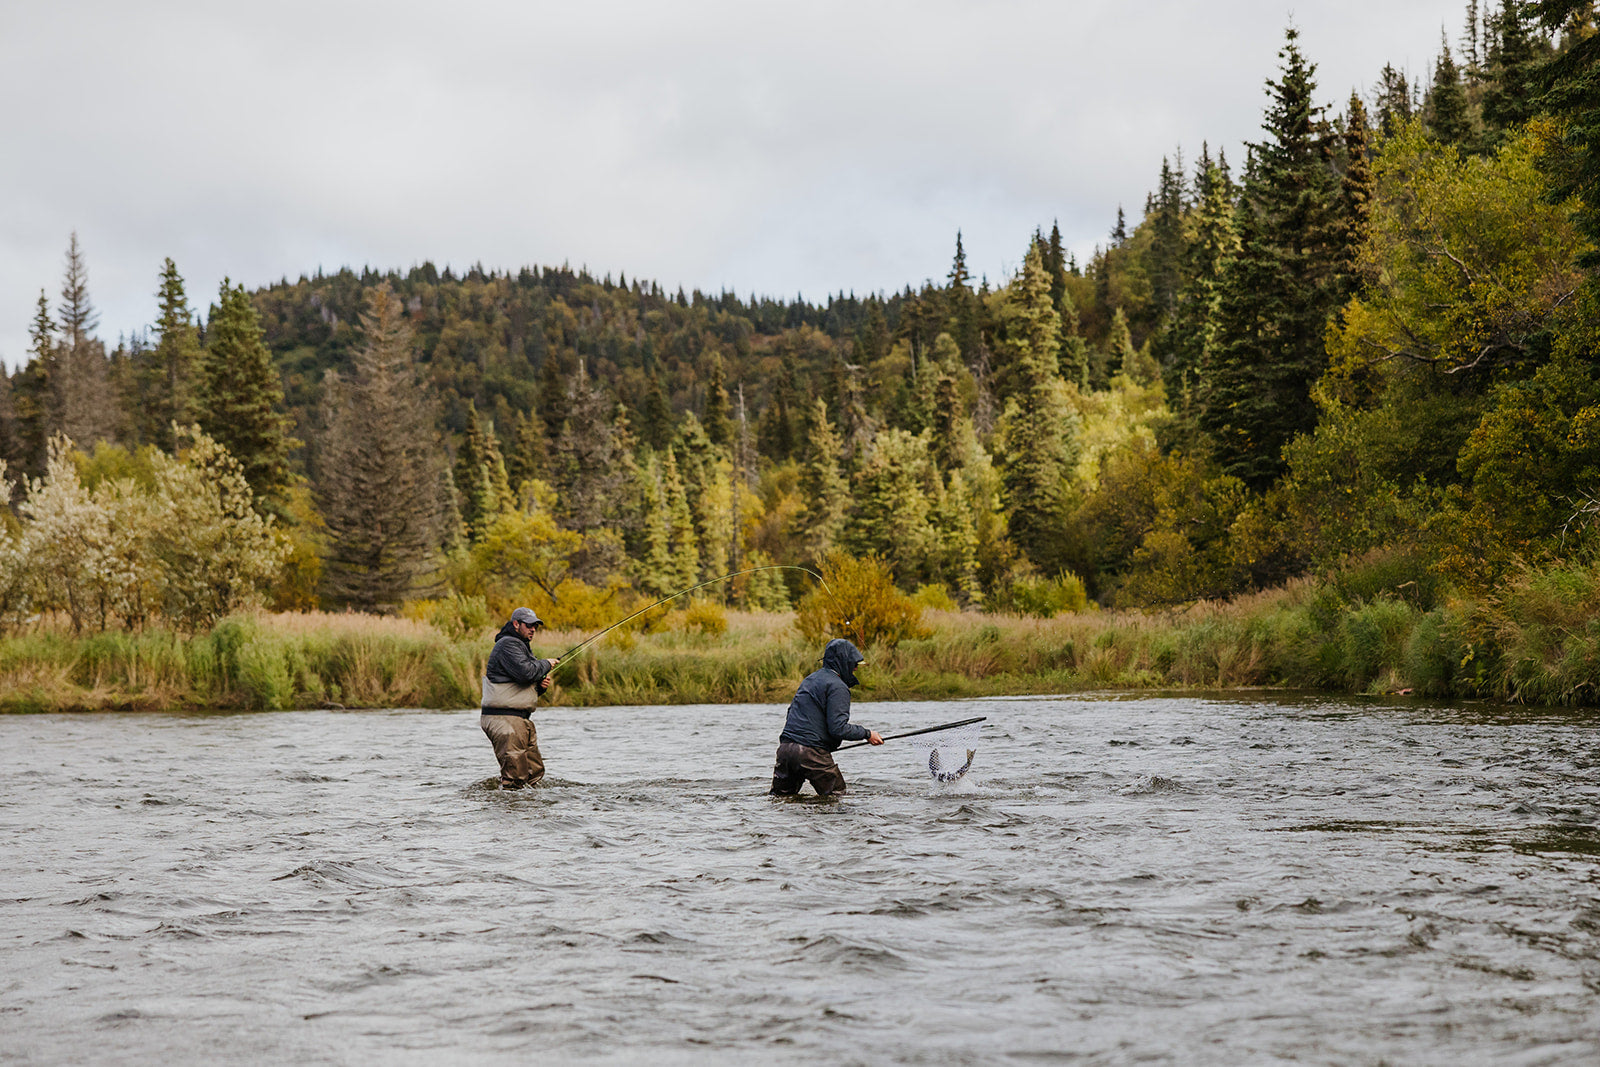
(512, 681)
(818, 722)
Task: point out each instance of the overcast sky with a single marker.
(767, 147)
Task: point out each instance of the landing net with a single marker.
(947, 754)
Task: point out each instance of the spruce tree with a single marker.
(1571, 86)
(1517, 51)
(1164, 259)
(1281, 286)
(1446, 107)
(717, 425)
(1211, 243)
(655, 424)
(529, 455)
(1038, 427)
(379, 467)
(965, 310)
(84, 406)
(824, 493)
(684, 548)
(239, 397)
(655, 570)
(167, 376)
(1395, 100)
(1358, 189)
(586, 464)
(33, 396)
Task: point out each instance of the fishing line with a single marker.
(684, 592)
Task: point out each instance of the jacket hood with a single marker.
(841, 657)
(510, 631)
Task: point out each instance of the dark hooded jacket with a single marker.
(512, 667)
(819, 715)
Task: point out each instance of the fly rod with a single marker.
(684, 592)
(914, 733)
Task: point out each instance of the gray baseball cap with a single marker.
(527, 617)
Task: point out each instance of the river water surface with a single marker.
(1191, 880)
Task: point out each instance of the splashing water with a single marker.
(949, 753)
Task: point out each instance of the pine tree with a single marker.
(685, 549)
(83, 400)
(655, 569)
(1280, 288)
(1038, 427)
(167, 376)
(586, 464)
(1164, 260)
(240, 394)
(1572, 95)
(1446, 106)
(824, 494)
(718, 427)
(1358, 189)
(380, 466)
(33, 396)
(1211, 242)
(530, 455)
(965, 322)
(655, 426)
(1517, 50)
(1395, 100)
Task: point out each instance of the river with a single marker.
(1117, 880)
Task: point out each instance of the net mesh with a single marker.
(947, 754)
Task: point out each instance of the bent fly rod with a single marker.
(684, 592)
(914, 733)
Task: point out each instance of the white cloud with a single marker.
(768, 147)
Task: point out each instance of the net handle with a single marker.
(914, 733)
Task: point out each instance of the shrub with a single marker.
(858, 601)
(454, 616)
(935, 597)
(1046, 598)
(705, 616)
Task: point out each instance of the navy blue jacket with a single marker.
(819, 715)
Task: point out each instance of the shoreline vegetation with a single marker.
(1538, 642)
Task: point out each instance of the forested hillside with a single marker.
(1367, 349)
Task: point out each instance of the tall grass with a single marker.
(1537, 641)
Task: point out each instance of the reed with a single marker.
(1537, 641)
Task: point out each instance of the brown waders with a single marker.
(798, 764)
(516, 746)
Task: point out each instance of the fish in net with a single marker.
(949, 753)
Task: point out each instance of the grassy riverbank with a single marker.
(1538, 642)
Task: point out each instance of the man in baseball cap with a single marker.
(512, 681)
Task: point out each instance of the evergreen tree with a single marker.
(890, 517)
(1572, 95)
(655, 569)
(554, 397)
(717, 425)
(379, 465)
(33, 396)
(1211, 243)
(1280, 287)
(1164, 259)
(655, 425)
(481, 477)
(1395, 100)
(240, 394)
(1446, 107)
(84, 405)
(1038, 426)
(1517, 50)
(586, 462)
(824, 494)
(965, 322)
(685, 549)
(529, 456)
(1358, 189)
(167, 376)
